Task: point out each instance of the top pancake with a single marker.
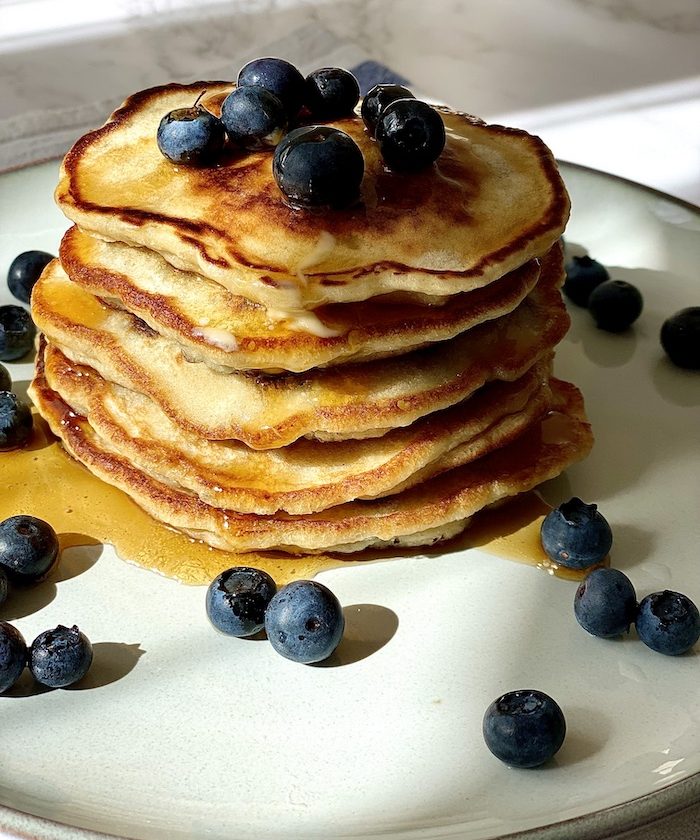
(492, 201)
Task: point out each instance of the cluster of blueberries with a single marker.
(526, 728)
(57, 658)
(303, 621)
(616, 304)
(313, 165)
(17, 333)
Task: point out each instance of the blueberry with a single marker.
(191, 136)
(605, 603)
(668, 622)
(377, 99)
(615, 305)
(3, 585)
(237, 599)
(13, 655)
(24, 272)
(575, 535)
(15, 421)
(331, 93)
(279, 77)
(410, 134)
(680, 338)
(304, 622)
(28, 548)
(5, 379)
(524, 728)
(17, 332)
(60, 657)
(583, 274)
(253, 118)
(318, 166)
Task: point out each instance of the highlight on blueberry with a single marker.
(605, 603)
(411, 135)
(615, 305)
(583, 275)
(15, 421)
(331, 93)
(279, 77)
(191, 136)
(668, 622)
(236, 600)
(524, 728)
(253, 118)
(318, 166)
(24, 271)
(304, 622)
(13, 655)
(29, 548)
(17, 332)
(680, 338)
(60, 657)
(576, 535)
(377, 99)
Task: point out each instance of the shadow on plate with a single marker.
(74, 563)
(587, 731)
(110, 662)
(368, 627)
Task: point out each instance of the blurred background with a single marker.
(613, 84)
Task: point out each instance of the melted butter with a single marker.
(217, 337)
(321, 250)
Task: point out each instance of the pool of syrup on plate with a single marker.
(42, 480)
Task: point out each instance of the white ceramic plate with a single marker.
(191, 734)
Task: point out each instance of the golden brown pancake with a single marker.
(435, 509)
(493, 201)
(213, 325)
(348, 401)
(306, 476)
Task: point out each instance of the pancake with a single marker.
(349, 401)
(226, 330)
(306, 476)
(493, 201)
(435, 509)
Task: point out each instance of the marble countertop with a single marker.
(612, 84)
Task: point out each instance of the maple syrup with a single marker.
(42, 480)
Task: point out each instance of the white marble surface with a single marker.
(614, 84)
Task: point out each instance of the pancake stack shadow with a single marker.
(264, 378)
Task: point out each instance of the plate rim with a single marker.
(603, 824)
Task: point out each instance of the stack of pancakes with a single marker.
(261, 377)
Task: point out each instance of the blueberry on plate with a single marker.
(28, 548)
(236, 600)
(605, 603)
(615, 305)
(17, 332)
(331, 93)
(583, 274)
(318, 166)
(680, 338)
(5, 379)
(24, 272)
(376, 100)
(668, 622)
(279, 77)
(3, 585)
(411, 135)
(60, 657)
(575, 535)
(15, 421)
(13, 655)
(191, 136)
(524, 728)
(304, 622)
(253, 118)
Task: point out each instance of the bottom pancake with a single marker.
(434, 510)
